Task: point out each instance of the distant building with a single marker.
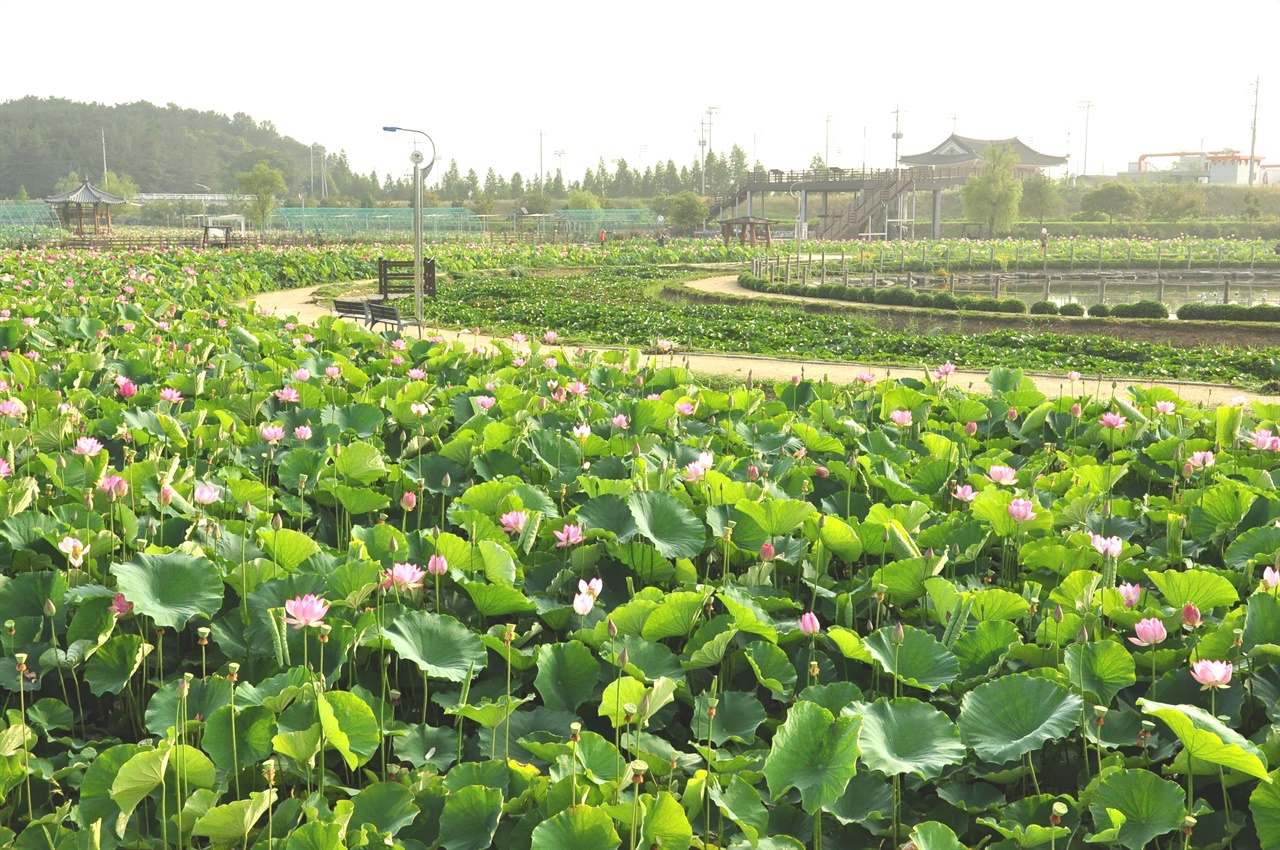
(1226, 167)
(962, 152)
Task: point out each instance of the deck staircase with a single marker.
(857, 216)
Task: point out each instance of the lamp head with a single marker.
(390, 129)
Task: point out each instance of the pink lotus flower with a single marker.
(120, 606)
(1075, 411)
(621, 421)
(1111, 419)
(437, 565)
(1130, 593)
(113, 486)
(514, 522)
(397, 360)
(1149, 632)
(583, 603)
(287, 394)
(568, 536)
(1073, 376)
(964, 492)
(302, 432)
(582, 431)
(12, 408)
(753, 472)
(809, 624)
(1270, 578)
(1190, 617)
(1212, 674)
(399, 344)
(550, 337)
(943, 371)
(1002, 474)
(408, 500)
(301, 375)
(821, 471)
(685, 408)
(1165, 407)
(1108, 547)
(74, 550)
(419, 409)
(402, 576)
(304, 611)
(1201, 460)
(577, 388)
(87, 446)
(333, 372)
(170, 395)
(594, 587)
(206, 494)
(971, 428)
(901, 418)
(551, 363)
(865, 378)
(767, 552)
(128, 389)
(272, 433)
(1021, 510)
(416, 374)
(5, 469)
(485, 401)
(518, 337)
(1262, 439)
(694, 471)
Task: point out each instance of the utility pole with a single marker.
(541, 135)
(1253, 142)
(953, 116)
(706, 144)
(702, 165)
(103, 131)
(897, 135)
(826, 150)
(1087, 106)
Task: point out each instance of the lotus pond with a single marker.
(316, 588)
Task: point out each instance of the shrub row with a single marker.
(1230, 312)
(895, 296)
(901, 296)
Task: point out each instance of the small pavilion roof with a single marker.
(960, 149)
(86, 194)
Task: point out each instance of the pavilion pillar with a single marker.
(804, 208)
(749, 210)
(935, 231)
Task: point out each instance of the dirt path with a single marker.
(299, 304)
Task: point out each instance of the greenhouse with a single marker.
(350, 220)
(21, 219)
(590, 222)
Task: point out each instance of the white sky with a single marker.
(635, 80)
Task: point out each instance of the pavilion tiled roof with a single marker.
(961, 149)
(86, 194)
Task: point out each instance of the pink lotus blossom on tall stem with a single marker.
(514, 522)
(809, 624)
(1130, 593)
(87, 446)
(403, 576)
(1022, 510)
(1212, 675)
(304, 611)
(1113, 420)
(568, 536)
(1108, 547)
(1001, 474)
(437, 565)
(1149, 632)
(901, 418)
(120, 606)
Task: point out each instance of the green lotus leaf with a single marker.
(1103, 668)
(1011, 716)
(668, 524)
(908, 736)
(1200, 588)
(1151, 806)
(442, 647)
(172, 588)
(231, 824)
(813, 752)
(577, 828)
(567, 675)
(387, 805)
(113, 665)
(470, 818)
(921, 661)
(1208, 739)
(1264, 804)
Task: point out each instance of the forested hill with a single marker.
(162, 148)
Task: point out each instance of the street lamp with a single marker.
(419, 174)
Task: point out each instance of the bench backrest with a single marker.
(395, 277)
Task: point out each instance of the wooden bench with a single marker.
(388, 314)
(351, 308)
(395, 278)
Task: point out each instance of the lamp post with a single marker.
(419, 174)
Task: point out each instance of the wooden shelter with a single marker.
(963, 152)
(748, 228)
(71, 209)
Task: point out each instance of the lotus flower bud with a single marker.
(624, 658)
(613, 628)
(899, 635)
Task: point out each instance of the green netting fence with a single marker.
(373, 221)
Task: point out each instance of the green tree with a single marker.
(1176, 201)
(22, 197)
(580, 200)
(263, 183)
(685, 210)
(992, 195)
(1114, 200)
(1250, 209)
(1040, 198)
